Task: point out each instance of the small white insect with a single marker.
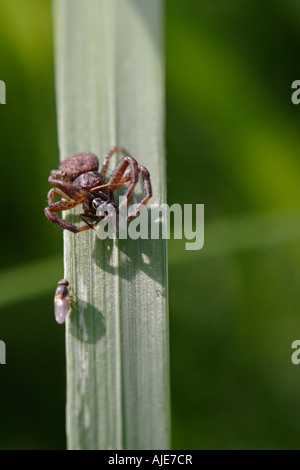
(61, 301)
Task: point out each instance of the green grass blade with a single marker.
(109, 77)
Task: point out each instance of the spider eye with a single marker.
(104, 208)
(96, 203)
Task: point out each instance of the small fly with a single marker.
(61, 301)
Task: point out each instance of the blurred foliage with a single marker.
(232, 143)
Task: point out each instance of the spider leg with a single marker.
(126, 171)
(57, 191)
(107, 159)
(90, 216)
(50, 212)
(68, 189)
(53, 207)
(94, 217)
(117, 179)
(111, 197)
(147, 189)
(127, 177)
(58, 174)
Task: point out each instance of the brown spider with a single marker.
(78, 182)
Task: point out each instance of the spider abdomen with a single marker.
(78, 164)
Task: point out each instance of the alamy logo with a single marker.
(2, 92)
(152, 222)
(2, 352)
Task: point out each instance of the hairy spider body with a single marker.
(78, 181)
(76, 165)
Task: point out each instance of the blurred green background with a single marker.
(232, 139)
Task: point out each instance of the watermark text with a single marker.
(153, 222)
